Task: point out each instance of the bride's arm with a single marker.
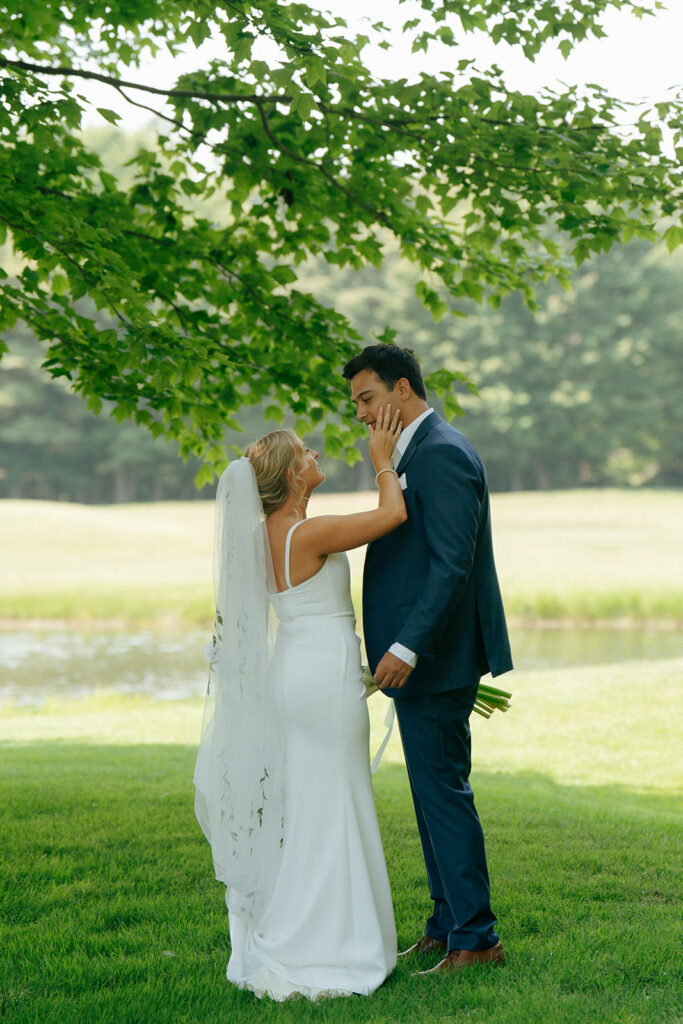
(324, 534)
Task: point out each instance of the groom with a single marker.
(434, 624)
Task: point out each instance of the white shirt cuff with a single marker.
(404, 653)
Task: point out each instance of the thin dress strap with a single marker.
(288, 543)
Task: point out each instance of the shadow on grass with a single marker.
(110, 911)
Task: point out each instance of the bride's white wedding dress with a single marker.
(329, 927)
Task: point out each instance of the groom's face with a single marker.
(369, 394)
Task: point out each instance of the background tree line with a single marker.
(586, 392)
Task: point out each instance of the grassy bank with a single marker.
(586, 556)
(110, 912)
(592, 726)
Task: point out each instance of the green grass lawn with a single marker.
(109, 910)
(582, 555)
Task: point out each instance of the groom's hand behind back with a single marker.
(392, 672)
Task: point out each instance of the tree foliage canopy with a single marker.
(585, 392)
(177, 318)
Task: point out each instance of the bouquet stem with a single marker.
(489, 698)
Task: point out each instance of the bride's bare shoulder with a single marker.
(278, 529)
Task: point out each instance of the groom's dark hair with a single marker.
(390, 363)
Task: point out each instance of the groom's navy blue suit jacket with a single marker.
(431, 584)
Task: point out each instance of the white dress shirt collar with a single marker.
(407, 434)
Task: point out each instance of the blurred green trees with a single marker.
(586, 391)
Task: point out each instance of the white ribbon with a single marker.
(389, 725)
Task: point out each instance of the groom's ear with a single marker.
(404, 389)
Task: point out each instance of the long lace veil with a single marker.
(239, 769)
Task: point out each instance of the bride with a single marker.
(283, 788)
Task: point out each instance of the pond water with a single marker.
(35, 665)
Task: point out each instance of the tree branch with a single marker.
(117, 83)
(400, 125)
(157, 113)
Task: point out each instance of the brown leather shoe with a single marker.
(425, 945)
(457, 959)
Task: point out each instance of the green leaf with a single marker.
(59, 284)
(283, 275)
(452, 407)
(447, 203)
(198, 31)
(109, 115)
(302, 104)
(205, 475)
(274, 412)
(673, 236)
(315, 72)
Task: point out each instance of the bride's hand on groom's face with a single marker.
(384, 433)
(392, 672)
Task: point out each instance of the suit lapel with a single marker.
(427, 424)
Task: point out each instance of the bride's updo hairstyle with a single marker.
(271, 456)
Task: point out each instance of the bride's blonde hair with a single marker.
(271, 457)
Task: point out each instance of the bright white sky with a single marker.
(637, 59)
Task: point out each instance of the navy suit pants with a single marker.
(436, 740)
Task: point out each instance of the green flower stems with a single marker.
(488, 699)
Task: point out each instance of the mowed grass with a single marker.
(109, 910)
(604, 725)
(581, 555)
